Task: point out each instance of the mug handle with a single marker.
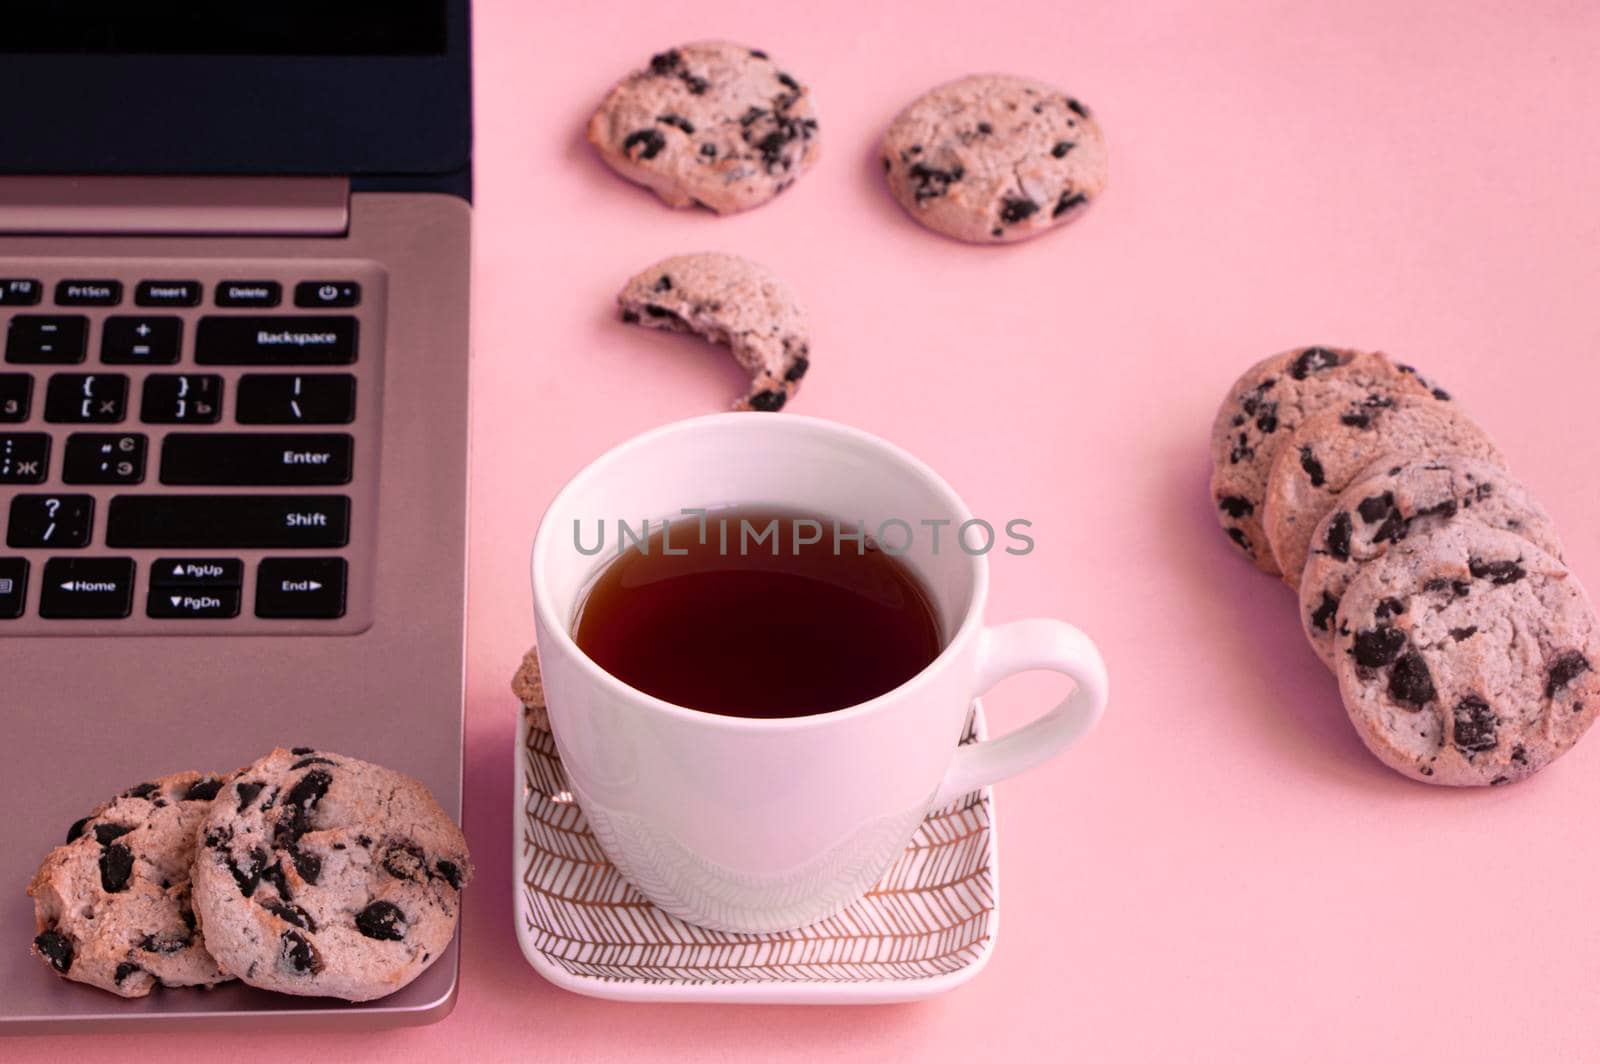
(1021, 646)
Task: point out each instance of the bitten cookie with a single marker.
(732, 301)
(711, 123)
(1414, 498)
(112, 906)
(1329, 451)
(993, 159)
(1465, 657)
(318, 874)
(1264, 407)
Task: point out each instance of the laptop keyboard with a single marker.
(186, 449)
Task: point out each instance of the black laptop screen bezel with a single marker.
(240, 114)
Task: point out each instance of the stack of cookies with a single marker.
(305, 872)
(1430, 580)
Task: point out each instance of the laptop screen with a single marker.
(348, 87)
(221, 27)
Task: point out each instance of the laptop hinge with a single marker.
(175, 206)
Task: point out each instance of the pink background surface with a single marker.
(1221, 871)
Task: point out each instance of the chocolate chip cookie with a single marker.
(993, 159)
(713, 123)
(1264, 407)
(733, 301)
(1387, 507)
(1466, 657)
(112, 906)
(318, 874)
(1331, 450)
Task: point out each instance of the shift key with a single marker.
(219, 521)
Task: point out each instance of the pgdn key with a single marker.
(212, 603)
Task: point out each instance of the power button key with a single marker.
(327, 294)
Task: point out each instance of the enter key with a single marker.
(248, 459)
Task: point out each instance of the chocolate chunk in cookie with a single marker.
(382, 920)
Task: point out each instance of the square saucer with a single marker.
(927, 927)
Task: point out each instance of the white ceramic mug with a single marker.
(743, 824)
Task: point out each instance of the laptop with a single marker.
(234, 250)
